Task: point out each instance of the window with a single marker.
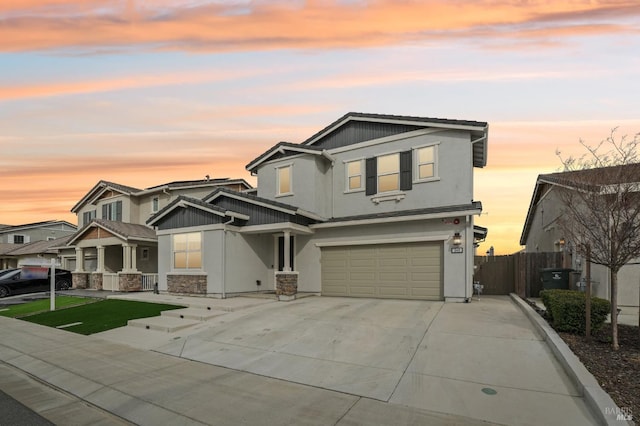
(187, 251)
(284, 180)
(88, 216)
(155, 204)
(425, 163)
(354, 175)
(145, 254)
(112, 211)
(389, 172)
(18, 239)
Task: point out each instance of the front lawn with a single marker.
(99, 316)
(43, 305)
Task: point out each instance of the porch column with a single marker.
(79, 259)
(287, 251)
(134, 266)
(100, 267)
(126, 257)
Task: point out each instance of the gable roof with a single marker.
(583, 179)
(264, 202)
(40, 247)
(281, 149)
(184, 201)
(104, 185)
(122, 230)
(13, 228)
(355, 127)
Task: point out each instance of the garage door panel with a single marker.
(410, 270)
(393, 292)
(362, 263)
(368, 291)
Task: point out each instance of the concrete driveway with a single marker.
(482, 360)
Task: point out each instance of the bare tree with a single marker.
(600, 192)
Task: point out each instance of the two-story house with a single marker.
(370, 206)
(542, 232)
(113, 248)
(13, 237)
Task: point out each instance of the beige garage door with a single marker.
(401, 271)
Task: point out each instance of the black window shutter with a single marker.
(119, 211)
(371, 169)
(406, 173)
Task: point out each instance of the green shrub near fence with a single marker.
(566, 310)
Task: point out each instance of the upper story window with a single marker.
(354, 171)
(112, 211)
(284, 180)
(155, 204)
(425, 162)
(389, 172)
(187, 251)
(88, 216)
(18, 239)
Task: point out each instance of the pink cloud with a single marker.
(87, 26)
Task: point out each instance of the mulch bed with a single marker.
(618, 372)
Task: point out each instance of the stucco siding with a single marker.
(248, 260)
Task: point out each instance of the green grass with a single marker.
(43, 305)
(100, 316)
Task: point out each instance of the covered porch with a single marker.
(115, 256)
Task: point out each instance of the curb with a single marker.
(604, 409)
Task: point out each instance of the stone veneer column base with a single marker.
(186, 284)
(80, 279)
(96, 281)
(130, 281)
(286, 285)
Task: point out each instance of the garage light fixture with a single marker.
(457, 239)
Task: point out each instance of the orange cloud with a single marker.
(13, 91)
(92, 26)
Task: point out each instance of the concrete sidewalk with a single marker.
(312, 361)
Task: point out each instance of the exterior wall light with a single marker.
(457, 239)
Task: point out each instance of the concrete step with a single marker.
(197, 314)
(163, 323)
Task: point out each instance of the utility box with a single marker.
(555, 278)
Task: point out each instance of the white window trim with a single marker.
(173, 253)
(416, 163)
(363, 176)
(278, 168)
(378, 174)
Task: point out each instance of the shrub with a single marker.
(566, 310)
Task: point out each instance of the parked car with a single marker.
(6, 271)
(32, 280)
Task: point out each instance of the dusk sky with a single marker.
(147, 92)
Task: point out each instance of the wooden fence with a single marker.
(519, 272)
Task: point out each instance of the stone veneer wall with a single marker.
(130, 281)
(96, 281)
(286, 283)
(80, 279)
(187, 284)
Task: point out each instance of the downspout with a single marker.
(224, 257)
(466, 267)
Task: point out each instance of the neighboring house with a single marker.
(39, 252)
(114, 249)
(541, 233)
(13, 236)
(371, 206)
